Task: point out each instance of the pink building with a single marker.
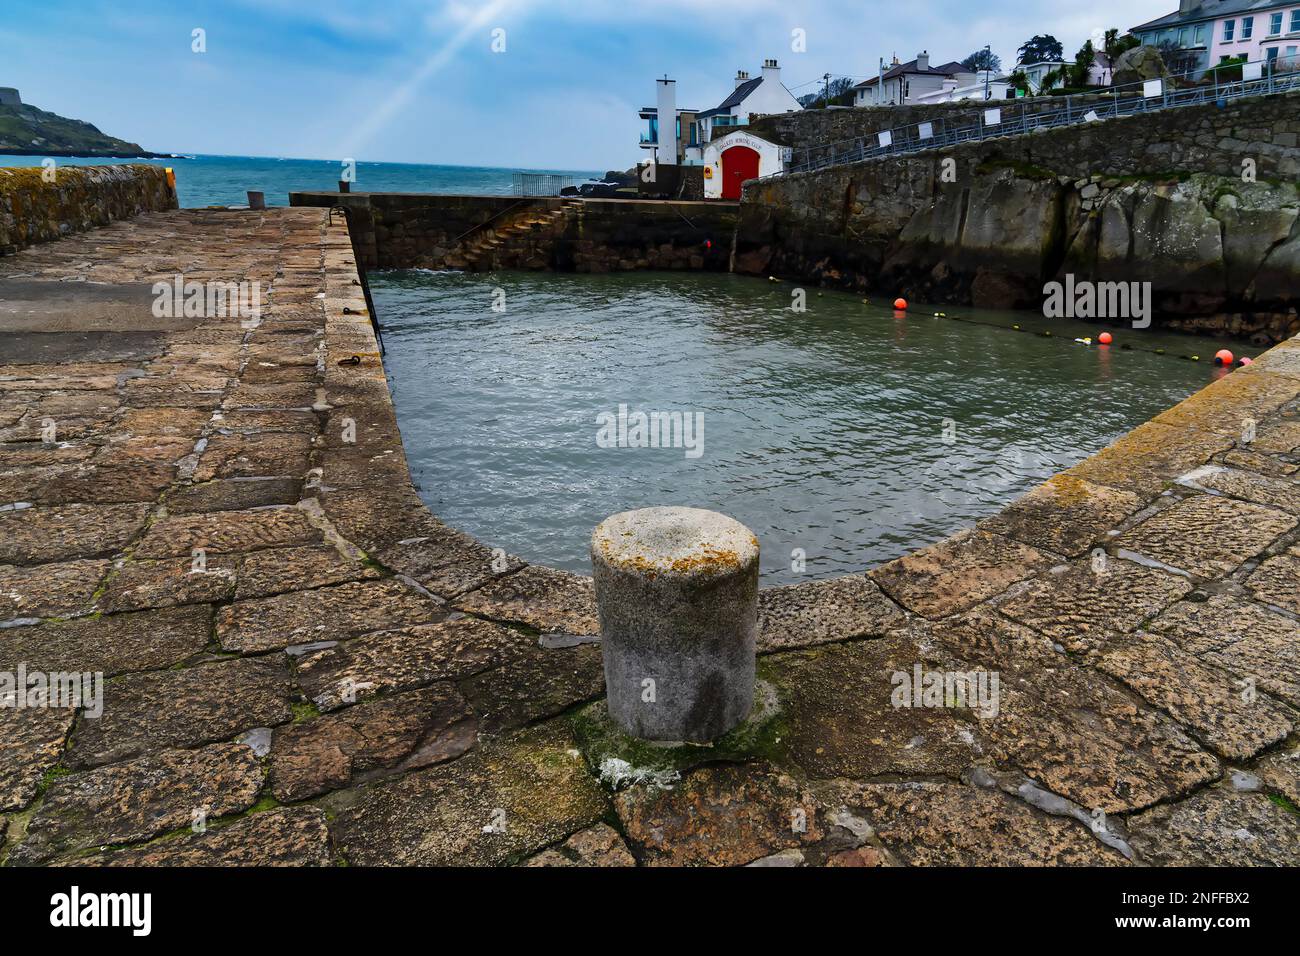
(1208, 32)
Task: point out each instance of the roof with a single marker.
(738, 96)
(910, 68)
(1211, 10)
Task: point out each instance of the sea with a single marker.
(203, 180)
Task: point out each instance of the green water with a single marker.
(848, 432)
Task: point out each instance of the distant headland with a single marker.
(28, 131)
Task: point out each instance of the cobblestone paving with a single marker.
(303, 666)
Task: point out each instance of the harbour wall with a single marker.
(34, 210)
(1201, 202)
(426, 231)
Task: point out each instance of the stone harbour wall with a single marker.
(80, 198)
(1159, 198)
(351, 681)
(425, 231)
(412, 230)
(817, 134)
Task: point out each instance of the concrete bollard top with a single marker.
(687, 542)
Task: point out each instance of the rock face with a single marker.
(1158, 198)
(1138, 64)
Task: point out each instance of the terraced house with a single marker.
(1209, 32)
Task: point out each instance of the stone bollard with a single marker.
(677, 594)
(256, 199)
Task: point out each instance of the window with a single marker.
(1247, 27)
(1295, 22)
(1274, 24)
(1271, 53)
(1228, 27)
(1199, 37)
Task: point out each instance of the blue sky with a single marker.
(409, 81)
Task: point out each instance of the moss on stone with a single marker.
(760, 737)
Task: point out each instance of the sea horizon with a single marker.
(215, 179)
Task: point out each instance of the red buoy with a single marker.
(1105, 338)
(900, 303)
(1223, 357)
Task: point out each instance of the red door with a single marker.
(738, 164)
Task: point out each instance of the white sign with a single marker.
(1252, 71)
(992, 117)
(1091, 116)
(1153, 88)
(926, 130)
(886, 138)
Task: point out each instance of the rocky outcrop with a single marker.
(1138, 64)
(35, 209)
(26, 130)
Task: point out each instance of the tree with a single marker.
(1050, 79)
(1041, 48)
(984, 59)
(1177, 60)
(1114, 46)
(841, 94)
(1077, 72)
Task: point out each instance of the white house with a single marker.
(763, 95)
(734, 157)
(1034, 73)
(908, 82)
(987, 86)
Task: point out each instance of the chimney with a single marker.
(1187, 6)
(923, 61)
(666, 114)
(741, 77)
(771, 72)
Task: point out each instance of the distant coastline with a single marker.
(88, 153)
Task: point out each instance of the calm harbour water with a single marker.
(823, 431)
(225, 180)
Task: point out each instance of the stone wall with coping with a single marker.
(80, 198)
(1157, 198)
(814, 134)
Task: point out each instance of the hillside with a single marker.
(28, 130)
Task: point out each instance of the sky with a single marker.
(537, 84)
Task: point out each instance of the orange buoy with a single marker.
(1223, 357)
(1105, 338)
(900, 303)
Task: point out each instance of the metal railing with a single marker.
(1258, 78)
(540, 184)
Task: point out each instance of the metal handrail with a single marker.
(1125, 100)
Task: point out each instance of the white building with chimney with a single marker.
(900, 84)
(763, 95)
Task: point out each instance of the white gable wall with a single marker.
(769, 97)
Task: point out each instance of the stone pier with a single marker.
(216, 515)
